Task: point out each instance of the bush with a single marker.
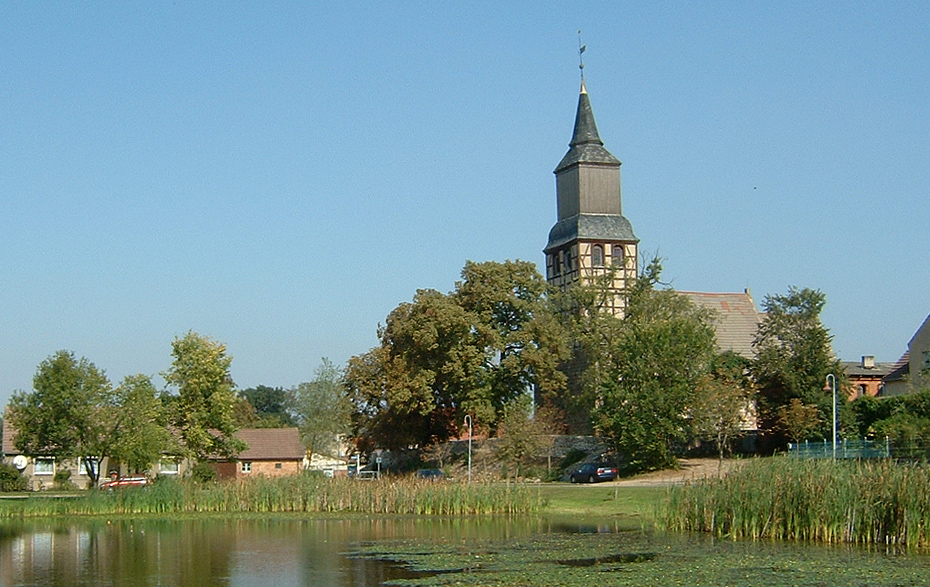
(62, 480)
(203, 472)
(11, 479)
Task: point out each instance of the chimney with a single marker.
(868, 362)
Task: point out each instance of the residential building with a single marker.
(271, 452)
(912, 371)
(865, 377)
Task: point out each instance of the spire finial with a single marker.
(581, 49)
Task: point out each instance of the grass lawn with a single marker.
(600, 501)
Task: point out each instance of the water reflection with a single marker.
(213, 551)
(348, 552)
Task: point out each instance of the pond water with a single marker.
(367, 552)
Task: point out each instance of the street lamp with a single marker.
(468, 423)
(831, 384)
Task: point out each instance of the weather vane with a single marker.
(581, 49)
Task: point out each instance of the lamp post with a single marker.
(831, 384)
(468, 423)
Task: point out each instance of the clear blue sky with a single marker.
(279, 176)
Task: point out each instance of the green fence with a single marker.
(845, 449)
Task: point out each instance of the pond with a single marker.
(367, 552)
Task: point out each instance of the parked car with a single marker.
(130, 481)
(431, 474)
(592, 473)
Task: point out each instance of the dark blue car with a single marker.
(592, 473)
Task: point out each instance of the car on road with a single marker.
(592, 473)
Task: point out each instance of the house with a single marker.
(912, 371)
(865, 377)
(271, 452)
(40, 470)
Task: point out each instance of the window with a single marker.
(597, 256)
(169, 467)
(92, 470)
(554, 263)
(245, 466)
(45, 466)
(277, 465)
(616, 256)
(927, 359)
(567, 260)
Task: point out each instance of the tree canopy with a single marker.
(68, 415)
(203, 410)
(793, 358)
(472, 351)
(322, 409)
(644, 367)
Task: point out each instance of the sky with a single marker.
(279, 176)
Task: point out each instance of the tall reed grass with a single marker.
(301, 493)
(866, 502)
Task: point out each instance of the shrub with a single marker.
(62, 480)
(11, 479)
(203, 472)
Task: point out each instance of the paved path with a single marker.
(691, 470)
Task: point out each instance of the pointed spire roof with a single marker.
(586, 145)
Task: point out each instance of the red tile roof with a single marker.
(271, 444)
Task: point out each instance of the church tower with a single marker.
(591, 236)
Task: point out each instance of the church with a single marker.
(592, 237)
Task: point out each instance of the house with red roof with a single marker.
(271, 452)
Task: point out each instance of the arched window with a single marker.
(597, 256)
(616, 256)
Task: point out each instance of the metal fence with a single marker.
(845, 449)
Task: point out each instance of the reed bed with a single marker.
(865, 502)
(297, 494)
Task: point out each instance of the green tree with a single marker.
(272, 406)
(793, 358)
(798, 421)
(139, 430)
(68, 415)
(405, 391)
(522, 341)
(520, 437)
(723, 401)
(322, 409)
(444, 355)
(202, 412)
(644, 368)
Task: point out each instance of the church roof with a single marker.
(586, 145)
(602, 227)
(737, 319)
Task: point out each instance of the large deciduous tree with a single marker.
(442, 356)
(644, 367)
(793, 358)
(68, 415)
(203, 411)
(322, 409)
(523, 343)
(271, 406)
(723, 402)
(139, 430)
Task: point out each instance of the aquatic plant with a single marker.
(865, 502)
(300, 493)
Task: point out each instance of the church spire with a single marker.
(586, 145)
